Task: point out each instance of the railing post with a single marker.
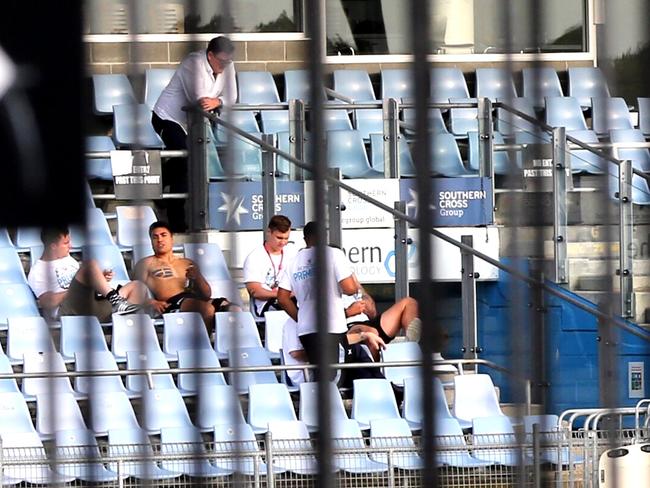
(537, 472)
(560, 259)
(334, 208)
(390, 110)
(625, 238)
(296, 136)
(268, 180)
(402, 242)
(199, 136)
(468, 296)
(268, 446)
(485, 140)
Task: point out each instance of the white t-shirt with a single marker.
(192, 80)
(300, 278)
(291, 343)
(266, 268)
(53, 276)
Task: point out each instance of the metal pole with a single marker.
(297, 136)
(390, 111)
(485, 149)
(334, 209)
(625, 238)
(402, 242)
(196, 207)
(468, 295)
(537, 477)
(268, 180)
(560, 256)
(268, 445)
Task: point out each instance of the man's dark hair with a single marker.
(49, 235)
(221, 44)
(280, 223)
(310, 231)
(160, 224)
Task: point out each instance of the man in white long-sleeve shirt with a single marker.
(204, 78)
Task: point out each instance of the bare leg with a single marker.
(90, 274)
(399, 316)
(203, 307)
(134, 292)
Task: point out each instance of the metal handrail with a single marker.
(562, 294)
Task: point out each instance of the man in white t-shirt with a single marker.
(264, 265)
(300, 280)
(65, 287)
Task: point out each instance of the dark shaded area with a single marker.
(40, 117)
(283, 23)
(632, 71)
(218, 23)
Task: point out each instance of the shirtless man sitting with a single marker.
(176, 283)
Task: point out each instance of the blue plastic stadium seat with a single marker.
(132, 128)
(586, 83)
(529, 138)
(640, 157)
(583, 161)
(274, 121)
(28, 237)
(244, 158)
(229, 324)
(155, 81)
(95, 231)
(7, 384)
(508, 123)
(111, 90)
(474, 397)
(369, 121)
(11, 267)
(16, 302)
(185, 453)
(401, 351)
(337, 120)
(293, 436)
(218, 405)
(249, 356)
(463, 120)
(451, 449)
(644, 115)
(45, 362)
(296, 85)
(184, 330)
(99, 169)
(198, 359)
(133, 333)
(209, 258)
(565, 112)
(396, 83)
(308, 409)
(109, 411)
(242, 119)
(355, 84)
(5, 240)
(491, 430)
(268, 403)
(436, 122)
(549, 437)
(163, 408)
(346, 150)
(81, 334)
(500, 159)
(394, 433)
(57, 411)
(609, 113)
(151, 359)
(540, 82)
(447, 83)
(445, 156)
(238, 450)
(373, 400)
(257, 87)
(26, 334)
(133, 223)
(406, 165)
(347, 436)
(97, 360)
(81, 444)
(283, 165)
(495, 83)
(412, 409)
(108, 257)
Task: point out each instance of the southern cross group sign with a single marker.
(240, 205)
(455, 202)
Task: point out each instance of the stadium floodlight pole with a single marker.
(315, 13)
(420, 41)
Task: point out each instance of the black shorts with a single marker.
(176, 301)
(375, 323)
(313, 348)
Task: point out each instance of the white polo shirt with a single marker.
(192, 80)
(300, 278)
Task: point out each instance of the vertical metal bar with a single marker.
(334, 209)
(268, 446)
(402, 242)
(268, 180)
(296, 136)
(315, 10)
(196, 206)
(560, 219)
(537, 474)
(625, 238)
(485, 146)
(468, 295)
(390, 110)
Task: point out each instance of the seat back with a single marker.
(7, 384)
(99, 168)
(197, 359)
(445, 156)
(274, 121)
(97, 361)
(95, 232)
(152, 359)
(296, 85)
(11, 268)
(111, 90)
(308, 408)
(133, 223)
(209, 258)
(133, 332)
(396, 83)
(463, 120)
(475, 397)
(508, 123)
(5, 240)
(257, 87)
(500, 159)
(111, 410)
(132, 127)
(412, 410)
(228, 324)
(643, 104)
(565, 112)
(585, 83)
(583, 161)
(217, 405)
(57, 411)
(609, 113)
(15, 416)
(163, 408)
(29, 334)
(48, 362)
(346, 150)
(245, 158)
(373, 399)
(436, 122)
(184, 330)
(447, 83)
(355, 84)
(369, 121)
(81, 333)
(155, 81)
(242, 119)
(274, 321)
(640, 157)
(406, 165)
(390, 432)
(495, 83)
(540, 82)
(249, 356)
(268, 403)
(401, 351)
(108, 257)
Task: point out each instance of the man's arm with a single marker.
(285, 301)
(348, 285)
(50, 300)
(257, 291)
(201, 285)
(370, 308)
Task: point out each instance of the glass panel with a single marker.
(178, 17)
(382, 26)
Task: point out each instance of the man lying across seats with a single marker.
(63, 286)
(176, 283)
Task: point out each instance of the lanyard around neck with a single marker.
(275, 272)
